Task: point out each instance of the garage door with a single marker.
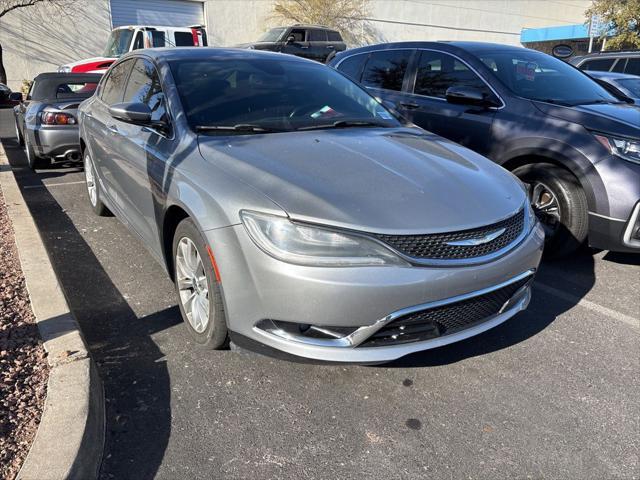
(172, 13)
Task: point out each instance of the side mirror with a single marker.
(291, 39)
(468, 96)
(136, 113)
(15, 96)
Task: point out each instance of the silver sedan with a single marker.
(293, 210)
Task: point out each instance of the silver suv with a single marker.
(620, 62)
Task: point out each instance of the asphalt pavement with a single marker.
(552, 393)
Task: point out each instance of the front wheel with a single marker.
(560, 204)
(199, 294)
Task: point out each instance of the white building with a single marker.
(40, 38)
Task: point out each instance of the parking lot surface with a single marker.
(551, 393)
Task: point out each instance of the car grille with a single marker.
(445, 319)
(434, 246)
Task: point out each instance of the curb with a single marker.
(70, 437)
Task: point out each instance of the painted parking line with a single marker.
(621, 317)
(57, 184)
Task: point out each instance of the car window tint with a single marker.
(633, 66)
(619, 66)
(631, 84)
(75, 89)
(183, 39)
(158, 39)
(334, 36)
(317, 36)
(352, 66)
(114, 85)
(298, 35)
(386, 69)
(601, 64)
(144, 87)
(439, 71)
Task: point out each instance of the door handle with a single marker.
(331, 47)
(409, 105)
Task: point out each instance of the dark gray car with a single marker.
(620, 84)
(46, 119)
(574, 143)
(292, 209)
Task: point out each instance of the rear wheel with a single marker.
(560, 204)
(33, 160)
(199, 295)
(19, 136)
(93, 187)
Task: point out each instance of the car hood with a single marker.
(376, 180)
(616, 119)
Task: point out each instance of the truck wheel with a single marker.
(560, 204)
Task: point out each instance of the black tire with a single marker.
(91, 179)
(566, 231)
(215, 335)
(19, 136)
(33, 160)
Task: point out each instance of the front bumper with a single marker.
(55, 141)
(257, 287)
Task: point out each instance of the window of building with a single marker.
(386, 69)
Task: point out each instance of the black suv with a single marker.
(575, 145)
(620, 62)
(309, 41)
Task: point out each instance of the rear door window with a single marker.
(317, 36)
(334, 36)
(144, 87)
(633, 66)
(183, 39)
(352, 66)
(600, 64)
(113, 88)
(619, 66)
(386, 69)
(438, 71)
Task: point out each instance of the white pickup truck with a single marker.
(133, 37)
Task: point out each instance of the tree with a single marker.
(7, 6)
(346, 16)
(622, 18)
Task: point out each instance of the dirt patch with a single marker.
(23, 361)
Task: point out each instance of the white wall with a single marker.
(39, 38)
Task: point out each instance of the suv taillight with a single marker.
(57, 118)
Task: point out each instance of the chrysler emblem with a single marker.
(470, 242)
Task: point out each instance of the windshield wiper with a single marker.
(344, 124)
(240, 127)
(600, 102)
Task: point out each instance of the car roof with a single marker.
(619, 53)
(69, 77)
(209, 53)
(445, 45)
(613, 75)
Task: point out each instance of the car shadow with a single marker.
(131, 365)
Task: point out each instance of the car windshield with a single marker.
(118, 43)
(631, 84)
(538, 76)
(272, 35)
(270, 94)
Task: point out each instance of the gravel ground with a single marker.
(23, 364)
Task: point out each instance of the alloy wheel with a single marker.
(192, 285)
(546, 207)
(90, 178)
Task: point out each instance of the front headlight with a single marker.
(314, 246)
(621, 147)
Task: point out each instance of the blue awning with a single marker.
(564, 32)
